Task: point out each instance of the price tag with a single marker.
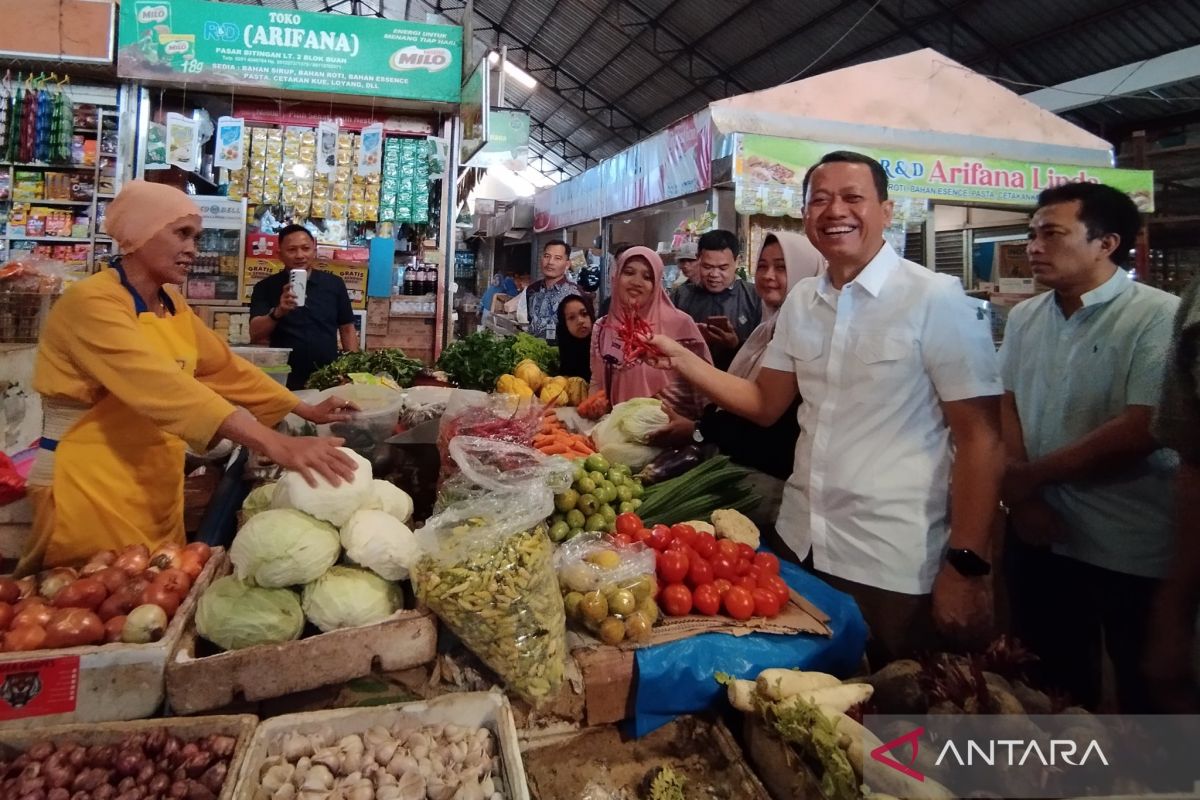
(38, 688)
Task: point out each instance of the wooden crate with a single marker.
(474, 709)
(98, 683)
(200, 683)
(240, 726)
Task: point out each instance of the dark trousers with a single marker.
(1063, 610)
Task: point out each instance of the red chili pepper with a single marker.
(633, 333)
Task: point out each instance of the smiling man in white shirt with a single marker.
(901, 392)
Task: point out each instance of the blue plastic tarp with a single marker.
(677, 677)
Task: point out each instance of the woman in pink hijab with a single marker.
(637, 289)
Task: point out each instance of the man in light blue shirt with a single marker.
(1087, 485)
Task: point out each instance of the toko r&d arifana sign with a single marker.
(223, 44)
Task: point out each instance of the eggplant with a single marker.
(671, 463)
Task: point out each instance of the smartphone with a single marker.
(721, 323)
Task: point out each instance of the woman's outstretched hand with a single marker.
(312, 456)
(331, 409)
(668, 351)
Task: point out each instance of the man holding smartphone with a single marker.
(726, 308)
(315, 329)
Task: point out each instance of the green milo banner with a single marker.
(769, 175)
(223, 44)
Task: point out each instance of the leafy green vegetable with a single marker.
(387, 361)
(666, 784)
(537, 350)
(805, 726)
(233, 615)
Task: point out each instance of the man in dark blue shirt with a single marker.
(314, 330)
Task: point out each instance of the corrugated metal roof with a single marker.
(645, 63)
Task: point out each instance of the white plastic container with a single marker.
(379, 408)
(264, 356)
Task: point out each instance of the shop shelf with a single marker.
(52, 239)
(57, 202)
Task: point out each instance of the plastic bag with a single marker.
(488, 570)
(608, 589)
(496, 417)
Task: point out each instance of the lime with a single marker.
(566, 501)
(597, 477)
(585, 485)
(622, 602)
(574, 532)
(604, 559)
(636, 503)
(624, 493)
(619, 469)
(559, 531)
(595, 523)
(625, 508)
(575, 518)
(638, 490)
(644, 587)
(607, 512)
(596, 463)
(638, 627)
(571, 603)
(649, 609)
(612, 631)
(580, 472)
(594, 606)
(588, 504)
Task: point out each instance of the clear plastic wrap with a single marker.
(495, 417)
(608, 590)
(488, 564)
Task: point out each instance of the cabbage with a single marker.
(281, 547)
(333, 504)
(388, 497)
(233, 615)
(257, 501)
(345, 597)
(621, 436)
(381, 543)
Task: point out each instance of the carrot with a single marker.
(556, 450)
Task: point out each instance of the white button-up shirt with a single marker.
(870, 489)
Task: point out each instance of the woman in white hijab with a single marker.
(784, 260)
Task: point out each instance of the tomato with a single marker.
(739, 603)
(25, 637)
(767, 562)
(628, 523)
(728, 547)
(700, 572)
(742, 568)
(643, 536)
(777, 585)
(86, 593)
(660, 537)
(724, 567)
(680, 545)
(685, 532)
(672, 566)
(74, 627)
(707, 599)
(766, 603)
(747, 583)
(175, 580)
(622, 540)
(158, 595)
(755, 572)
(705, 544)
(676, 600)
(722, 585)
(6, 615)
(745, 551)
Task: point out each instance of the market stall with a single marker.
(232, 118)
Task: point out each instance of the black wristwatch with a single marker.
(968, 563)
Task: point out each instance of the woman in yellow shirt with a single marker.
(129, 377)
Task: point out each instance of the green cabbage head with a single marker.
(345, 597)
(258, 501)
(283, 547)
(233, 615)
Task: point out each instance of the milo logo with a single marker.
(151, 14)
(433, 59)
(177, 47)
